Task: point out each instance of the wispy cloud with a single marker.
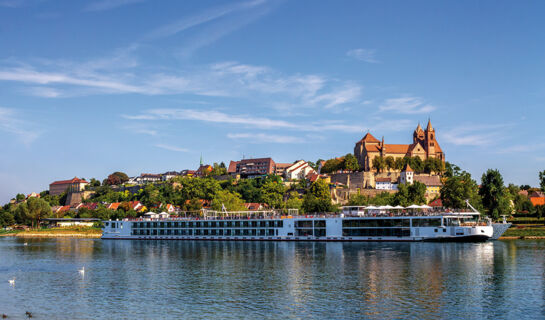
(12, 3)
(171, 148)
(109, 4)
(119, 74)
(198, 19)
(367, 55)
(11, 123)
(523, 148)
(474, 134)
(407, 105)
(212, 116)
(139, 129)
(263, 137)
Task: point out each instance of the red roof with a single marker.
(408, 168)
(74, 180)
(383, 180)
(436, 203)
(368, 137)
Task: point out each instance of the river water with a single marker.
(271, 280)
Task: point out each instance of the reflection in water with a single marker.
(197, 279)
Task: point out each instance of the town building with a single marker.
(407, 175)
(280, 168)
(148, 178)
(204, 170)
(169, 175)
(424, 146)
(385, 184)
(73, 185)
(433, 185)
(299, 170)
(537, 198)
(252, 167)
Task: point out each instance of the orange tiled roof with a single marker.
(538, 201)
(368, 137)
(397, 148)
(74, 180)
(114, 206)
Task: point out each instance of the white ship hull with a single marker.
(402, 228)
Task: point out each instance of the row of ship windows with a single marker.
(206, 232)
(211, 224)
(386, 232)
(377, 223)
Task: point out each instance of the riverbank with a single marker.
(66, 232)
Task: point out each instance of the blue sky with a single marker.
(92, 87)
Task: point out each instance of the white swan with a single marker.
(12, 281)
(26, 244)
(82, 270)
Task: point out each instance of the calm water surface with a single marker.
(232, 280)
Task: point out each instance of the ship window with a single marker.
(425, 222)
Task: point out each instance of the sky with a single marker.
(92, 87)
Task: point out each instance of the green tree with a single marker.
(318, 199)
(231, 200)
(272, 193)
(358, 200)
(249, 190)
(410, 194)
(116, 178)
(331, 166)
(294, 202)
(399, 163)
(34, 209)
(350, 163)
(459, 187)
(94, 182)
(218, 169)
(20, 197)
(542, 180)
(6, 218)
(320, 189)
(193, 205)
(390, 162)
(494, 197)
(379, 164)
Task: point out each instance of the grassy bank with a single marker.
(76, 232)
(519, 231)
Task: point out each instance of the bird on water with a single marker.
(82, 270)
(12, 281)
(28, 314)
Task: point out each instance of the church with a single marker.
(424, 146)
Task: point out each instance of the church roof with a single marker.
(408, 168)
(368, 137)
(397, 148)
(390, 148)
(429, 127)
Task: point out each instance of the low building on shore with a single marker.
(69, 222)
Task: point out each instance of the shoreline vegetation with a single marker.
(64, 232)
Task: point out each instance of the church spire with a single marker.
(429, 127)
(418, 128)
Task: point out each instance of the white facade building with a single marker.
(298, 170)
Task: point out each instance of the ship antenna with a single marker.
(469, 205)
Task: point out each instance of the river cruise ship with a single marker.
(356, 223)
